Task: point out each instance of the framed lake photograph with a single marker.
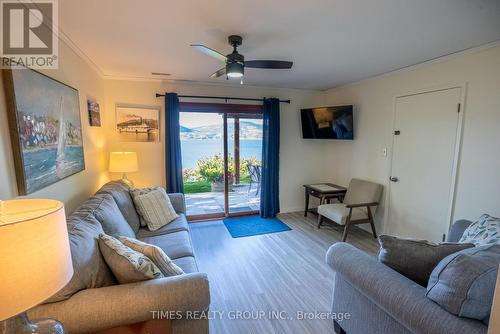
(45, 129)
(138, 124)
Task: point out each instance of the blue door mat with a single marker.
(253, 225)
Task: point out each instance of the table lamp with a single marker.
(35, 261)
(123, 162)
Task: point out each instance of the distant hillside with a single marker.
(244, 124)
(248, 130)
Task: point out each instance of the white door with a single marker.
(425, 139)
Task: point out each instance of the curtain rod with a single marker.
(222, 98)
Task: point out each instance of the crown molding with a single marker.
(67, 40)
(200, 83)
(416, 66)
(63, 37)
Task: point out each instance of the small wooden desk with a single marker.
(324, 196)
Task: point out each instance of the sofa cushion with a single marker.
(90, 269)
(339, 213)
(155, 254)
(463, 283)
(187, 264)
(415, 259)
(120, 192)
(128, 265)
(104, 208)
(178, 224)
(176, 245)
(484, 231)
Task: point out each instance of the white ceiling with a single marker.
(331, 42)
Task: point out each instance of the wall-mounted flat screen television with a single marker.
(327, 123)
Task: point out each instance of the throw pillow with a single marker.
(463, 283)
(415, 259)
(142, 191)
(127, 264)
(154, 207)
(156, 254)
(485, 231)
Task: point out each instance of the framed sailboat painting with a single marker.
(45, 129)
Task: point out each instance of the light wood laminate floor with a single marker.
(280, 272)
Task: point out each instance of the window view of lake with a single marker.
(206, 140)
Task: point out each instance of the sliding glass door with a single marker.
(202, 147)
(221, 147)
(245, 152)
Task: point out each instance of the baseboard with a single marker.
(292, 209)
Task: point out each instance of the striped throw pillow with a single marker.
(142, 191)
(156, 254)
(154, 207)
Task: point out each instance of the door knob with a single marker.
(393, 179)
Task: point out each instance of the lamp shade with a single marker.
(35, 257)
(123, 162)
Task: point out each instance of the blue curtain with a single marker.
(269, 195)
(173, 144)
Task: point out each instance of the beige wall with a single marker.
(301, 161)
(75, 189)
(478, 187)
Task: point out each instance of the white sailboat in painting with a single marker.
(61, 142)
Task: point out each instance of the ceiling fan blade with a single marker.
(219, 73)
(273, 64)
(212, 53)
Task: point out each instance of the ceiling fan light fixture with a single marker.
(235, 75)
(235, 62)
(234, 70)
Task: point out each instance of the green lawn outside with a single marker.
(197, 187)
(245, 179)
(204, 186)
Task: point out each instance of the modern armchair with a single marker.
(356, 209)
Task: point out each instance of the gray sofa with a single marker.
(379, 300)
(112, 305)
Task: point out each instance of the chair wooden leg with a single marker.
(347, 225)
(346, 230)
(370, 217)
(337, 328)
(320, 220)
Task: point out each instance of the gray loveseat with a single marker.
(127, 308)
(380, 300)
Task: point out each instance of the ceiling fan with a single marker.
(235, 62)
